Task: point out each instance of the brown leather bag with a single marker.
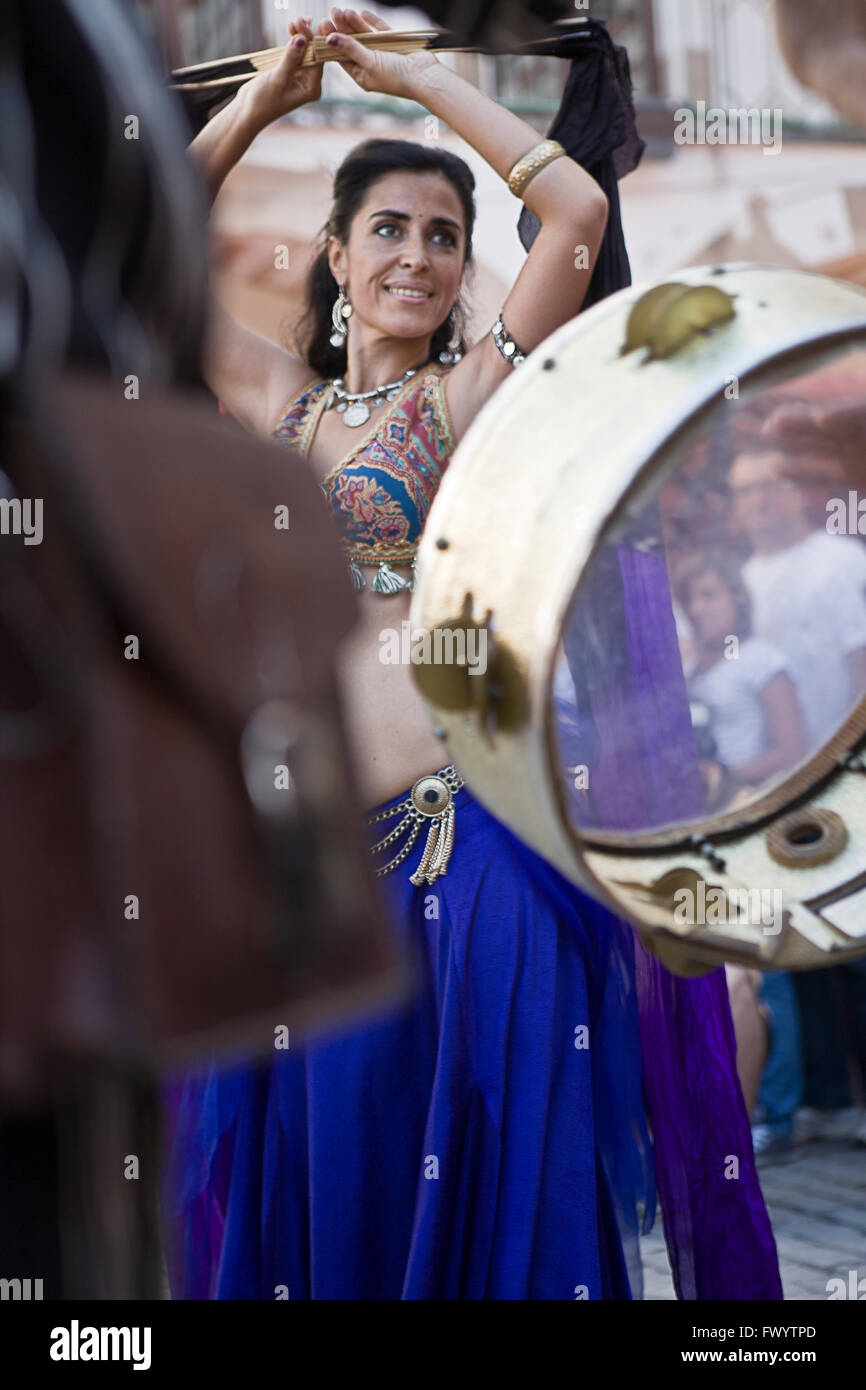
(182, 865)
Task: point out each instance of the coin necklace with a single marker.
(352, 405)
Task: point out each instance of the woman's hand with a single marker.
(394, 74)
(287, 86)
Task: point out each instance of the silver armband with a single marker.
(506, 344)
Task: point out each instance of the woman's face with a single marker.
(711, 608)
(403, 261)
(769, 508)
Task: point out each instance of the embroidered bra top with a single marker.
(381, 492)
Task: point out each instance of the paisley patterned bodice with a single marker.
(381, 492)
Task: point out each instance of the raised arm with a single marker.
(252, 376)
(569, 204)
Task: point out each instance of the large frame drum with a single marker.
(644, 577)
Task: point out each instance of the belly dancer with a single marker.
(488, 1138)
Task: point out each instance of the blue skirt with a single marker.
(483, 1140)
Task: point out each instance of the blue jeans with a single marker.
(781, 1088)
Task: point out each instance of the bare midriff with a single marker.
(389, 727)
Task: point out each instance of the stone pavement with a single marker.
(817, 1204)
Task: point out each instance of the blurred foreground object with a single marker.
(170, 739)
(673, 705)
(174, 751)
(825, 48)
(182, 867)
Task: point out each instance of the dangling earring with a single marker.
(451, 353)
(341, 311)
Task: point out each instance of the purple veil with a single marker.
(716, 1224)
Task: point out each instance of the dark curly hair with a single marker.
(719, 561)
(360, 169)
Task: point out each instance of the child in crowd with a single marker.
(756, 730)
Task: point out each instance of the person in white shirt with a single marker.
(807, 587)
(808, 591)
(758, 732)
(755, 719)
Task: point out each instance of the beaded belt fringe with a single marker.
(430, 801)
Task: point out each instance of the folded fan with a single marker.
(244, 66)
(203, 86)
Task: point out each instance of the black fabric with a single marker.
(29, 1182)
(486, 20)
(596, 125)
(833, 1011)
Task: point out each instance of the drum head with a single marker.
(715, 648)
(655, 534)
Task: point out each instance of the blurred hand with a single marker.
(394, 74)
(825, 48)
(288, 86)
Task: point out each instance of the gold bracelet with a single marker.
(532, 163)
